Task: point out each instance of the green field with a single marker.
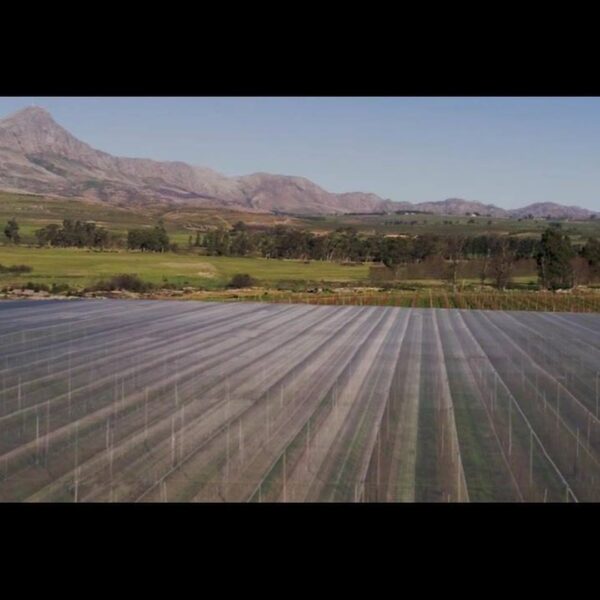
(280, 280)
(448, 225)
(33, 212)
(181, 221)
(80, 268)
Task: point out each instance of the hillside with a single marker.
(39, 156)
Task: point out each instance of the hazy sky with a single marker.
(505, 151)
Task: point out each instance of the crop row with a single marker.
(184, 401)
(438, 298)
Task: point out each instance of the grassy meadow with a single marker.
(80, 268)
(579, 231)
(33, 212)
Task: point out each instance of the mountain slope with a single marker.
(541, 210)
(39, 156)
(456, 206)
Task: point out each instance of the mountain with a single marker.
(456, 206)
(39, 156)
(541, 210)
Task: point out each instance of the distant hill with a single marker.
(39, 156)
(456, 206)
(541, 210)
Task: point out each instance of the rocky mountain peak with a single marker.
(32, 130)
(31, 113)
(37, 155)
(31, 122)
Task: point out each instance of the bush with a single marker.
(295, 285)
(241, 280)
(125, 281)
(36, 287)
(16, 269)
(60, 288)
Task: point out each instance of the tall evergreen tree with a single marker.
(553, 260)
(11, 231)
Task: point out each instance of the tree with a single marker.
(502, 262)
(527, 247)
(484, 267)
(425, 245)
(480, 247)
(217, 242)
(242, 244)
(11, 231)
(553, 260)
(80, 234)
(46, 236)
(454, 253)
(151, 240)
(591, 253)
(581, 270)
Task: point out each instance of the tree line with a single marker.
(155, 239)
(346, 244)
(560, 264)
(87, 234)
(77, 234)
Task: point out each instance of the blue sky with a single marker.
(505, 151)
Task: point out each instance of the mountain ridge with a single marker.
(37, 155)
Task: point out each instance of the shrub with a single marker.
(124, 281)
(241, 280)
(36, 287)
(295, 285)
(60, 288)
(16, 269)
(20, 269)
